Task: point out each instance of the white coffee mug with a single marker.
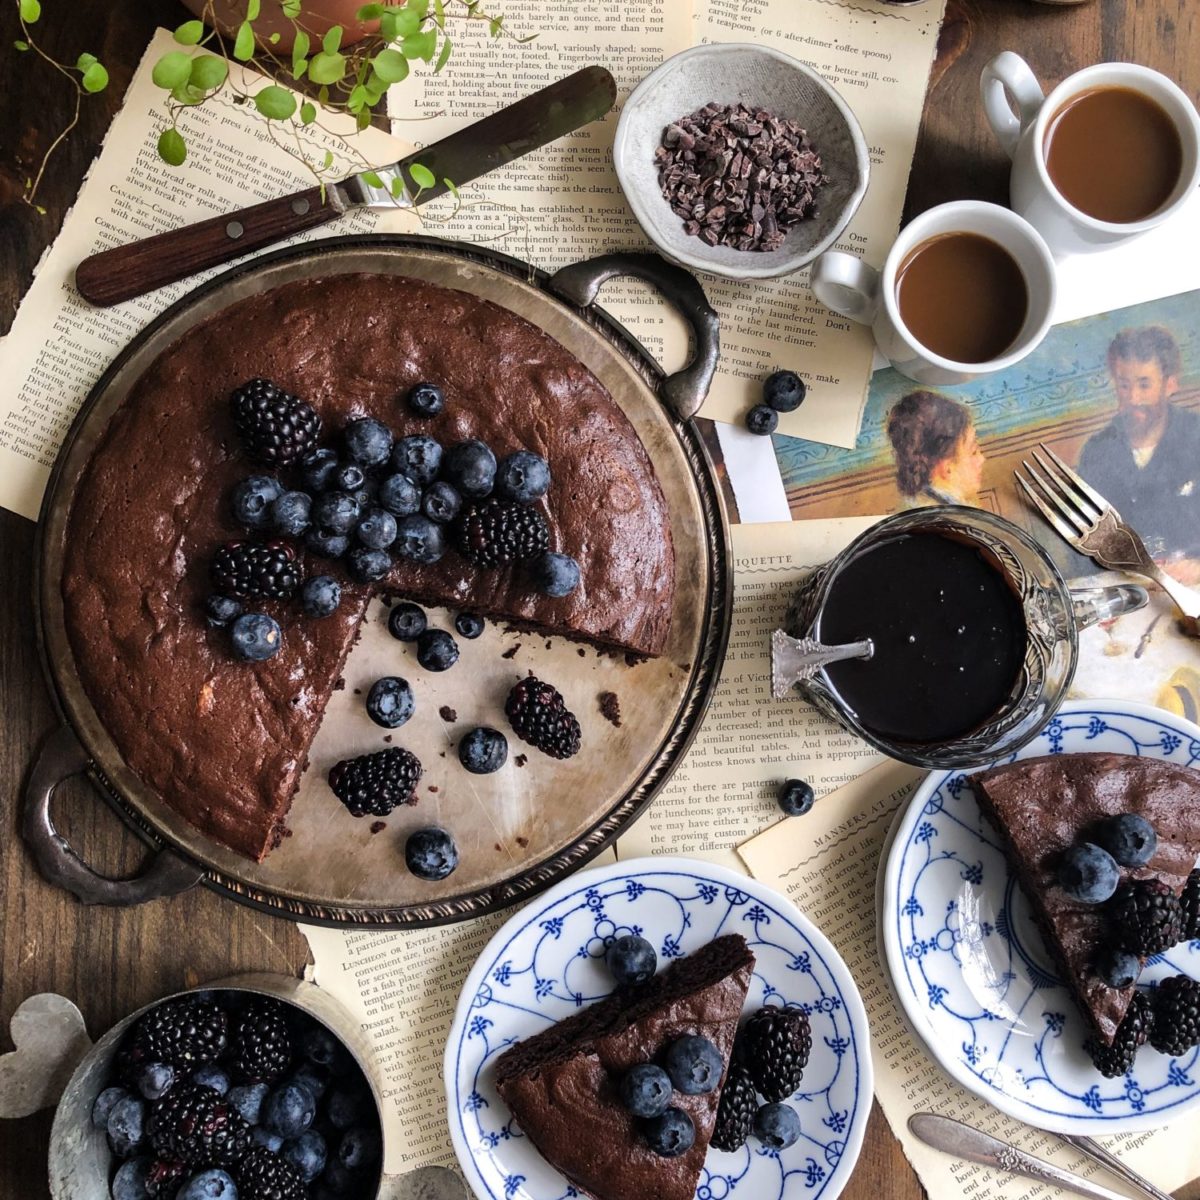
(1007, 81)
(850, 287)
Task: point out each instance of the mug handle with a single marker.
(1093, 605)
(1009, 75)
(846, 285)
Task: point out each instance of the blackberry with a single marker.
(1146, 917)
(262, 1044)
(735, 1112)
(494, 532)
(1113, 1061)
(1189, 904)
(195, 1125)
(164, 1179)
(183, 1032)
(376, 783)
(265, 1176)
(275, 427)
(1176, 1026)
(249, 571)
(777, 1043)
(538, 716)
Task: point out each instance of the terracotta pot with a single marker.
(317, 17)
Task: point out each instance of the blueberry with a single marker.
(311, 1076)
(522, 477)
(126, 1125)
(471, 468)
(483, 750)
(762, 420)
(336, 512)
(155, 1080)
(426, 400)
(252, 500)
(436, 650)
(390, 702)
(441, 502)
(367, 441)
(783, 391)
(1118, 968)
(346, 1107)
(399, 495)
(247, 1099)
(307, 1154)
(338, 1178)
(317, 468)
(220, 610)
(213, 1184)
(406, 622)
(320, 595)
(420, 539)
(694, 1064)
(795, 797)
(261, 1136)
(319, 1045)
(256, 637)
(469, 625)
(104, 1105)
(327, 545)
(366, 565)
(631, 959)
(428, 854)
(359, 1148)
(646, 1090)
(377, 529)
(211, 1076)
(289, 1110)
(419, 457)
(129, 1183)
(1088, 874)
(554, 574)
(349, 477)
(776, 1126)
(291, 513)
(1130, 839)
(670, 1134)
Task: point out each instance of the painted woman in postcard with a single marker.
(937, 455)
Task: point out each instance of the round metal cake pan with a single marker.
(549, 818)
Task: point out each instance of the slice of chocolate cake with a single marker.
(1043, 806)
(562, 1084)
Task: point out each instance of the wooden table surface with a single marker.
(110, 960)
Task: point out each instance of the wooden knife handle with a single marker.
(141, 266)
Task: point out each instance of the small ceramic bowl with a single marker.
(757, 76)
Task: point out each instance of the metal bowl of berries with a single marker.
(740, 161)
(588, 742)
(258, 1085)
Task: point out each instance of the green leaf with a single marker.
(323, 97)
(328, 160)
(372, 179)
(357, 99)
(396, 187)
(451, 188)
(375, 88)
(444, 56)
(494, 25)
(31, 10)
(387, 27)
(420, 7)
(95, 78)
(402, 24)
(300, 54)
(208, 71)
(332, 40)
(308, 112)
(253, 8)
(172, 70)
(439, 14)
(171, 148)
(422, 176)
(189, 33)
(243, 44)
(369, 12)
(20, 45)
(291, 9)
(420, 45)
(84, 61)
(362, 120)
(327, 68)
(274, 39)
(275, 103)
(390, 65)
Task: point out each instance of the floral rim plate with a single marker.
(970, 968)
(547, 961)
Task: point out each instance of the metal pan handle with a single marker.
(60, 757)
(684, 391)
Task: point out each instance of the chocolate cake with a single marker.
(1041, 806)
(225, 742)
(562, 1084)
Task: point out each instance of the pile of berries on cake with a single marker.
(768, 1060)
(372, 500)
(1144, 918)
(238, 1096)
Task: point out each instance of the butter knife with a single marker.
(138, 267)
(1110, 1162)
(964, 1141)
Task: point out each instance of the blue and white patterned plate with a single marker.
(971, 970)
(547, 961)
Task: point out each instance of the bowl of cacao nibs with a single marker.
(740, 161)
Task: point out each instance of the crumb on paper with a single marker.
(447, 714)
(511, 652)
(523, 842)
(610, 708)
(378, 826)
(520, 760)
(433, 787)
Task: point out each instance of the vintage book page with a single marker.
(724, 790)
(826, 862)
(564, 202)
(60, 345)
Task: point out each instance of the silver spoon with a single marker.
(794, 660)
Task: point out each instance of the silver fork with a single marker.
(1082, 517)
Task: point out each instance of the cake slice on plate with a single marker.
(562, 1085)
(1046, 808)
